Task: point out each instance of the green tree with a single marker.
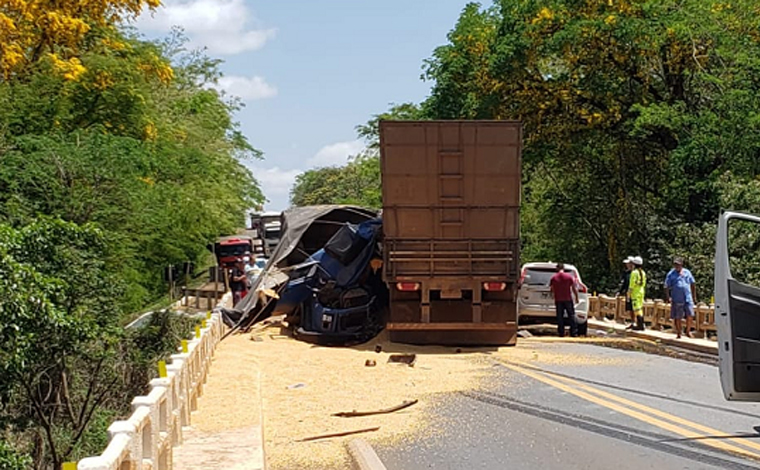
(10, 459)
(153, 159)
(136, 163)
(68, 365)
(57, 341)
(632, 112)
(357, 182)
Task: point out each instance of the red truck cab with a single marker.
(229, 249)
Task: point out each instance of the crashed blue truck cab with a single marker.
(324, 276)
(337, 296)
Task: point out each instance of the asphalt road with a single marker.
(582, 406)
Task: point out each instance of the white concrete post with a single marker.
(165, 389)
(151, 403)
(93, 463)
(134, 442)
(182, 364)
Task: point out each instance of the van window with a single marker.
(744, 251)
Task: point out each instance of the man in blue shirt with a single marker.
(681, 291)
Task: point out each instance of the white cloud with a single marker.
(223, 26)
(275, 183)
(253, 88)
(336, 154)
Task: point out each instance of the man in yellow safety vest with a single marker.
(636, 289)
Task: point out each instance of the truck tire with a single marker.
(583, 329)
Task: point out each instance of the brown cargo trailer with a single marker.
(451, 227)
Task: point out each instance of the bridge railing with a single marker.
(145, 440)
(656, 313)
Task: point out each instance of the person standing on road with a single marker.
(625, 282)
(238, 282)
(563, 290)
(248, 269)
(681, 292)
(636, 289)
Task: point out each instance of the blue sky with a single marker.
(310, 71)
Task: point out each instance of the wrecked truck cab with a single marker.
(338, 326)
(336, 297)
(313, 262)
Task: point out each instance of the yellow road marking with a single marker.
(661, 414)
(634, 414)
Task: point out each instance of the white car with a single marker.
(534, 299)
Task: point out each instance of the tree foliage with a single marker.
(633, 111)
(117, 158)
(11, 459)
(357, 182)
(56, 31)
(153, 161)
(57, 339)
(65, 358)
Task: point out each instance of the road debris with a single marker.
(370, 363)
(339, 434)
(378, 349)
(524, 334)
(438, 371)
(353, 414)
(296, 386)
(408, 359)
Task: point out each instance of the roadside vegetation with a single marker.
(116, 160)
(640, 123)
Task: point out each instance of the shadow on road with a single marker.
(701, 406)
(692, 450)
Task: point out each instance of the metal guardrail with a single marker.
(146, 439)
(656, 313)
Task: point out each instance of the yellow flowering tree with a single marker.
(34, 30)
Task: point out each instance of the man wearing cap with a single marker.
(636, 290)
(681, 292)
(625, 282)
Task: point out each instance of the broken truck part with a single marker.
(335, 297)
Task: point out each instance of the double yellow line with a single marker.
(677, 425)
